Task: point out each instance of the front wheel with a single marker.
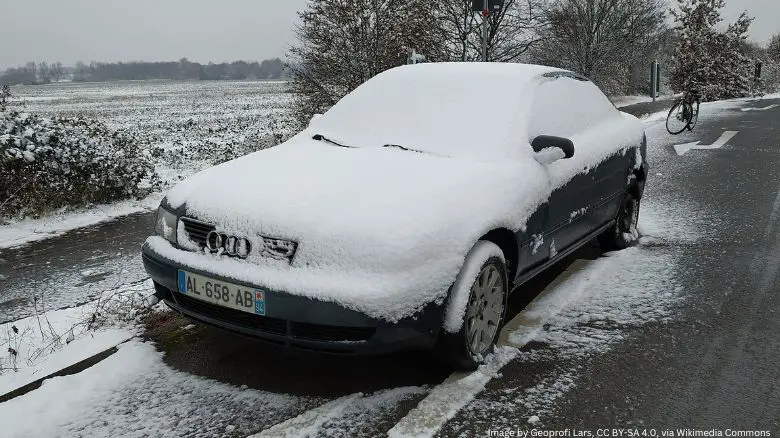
(484, 274)
(624, 232)
(694, 115)
(679, 117)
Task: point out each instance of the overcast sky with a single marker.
(200, 30)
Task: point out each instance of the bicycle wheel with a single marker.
(694, 115)
(679, 117)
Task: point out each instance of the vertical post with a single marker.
(653, 79)
(657, 79)
(485, 24)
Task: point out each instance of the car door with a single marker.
(532, 249)
(572, 205)
(570, 212)
(609, 187)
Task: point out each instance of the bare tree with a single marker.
(32, 69)
(56, 71)
(43, 72)
(510, 33)
(343, 43)
(603, 39)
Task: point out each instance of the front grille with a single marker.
(265, 324)
(197, 230)
(319, 332)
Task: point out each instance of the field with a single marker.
(190, 125)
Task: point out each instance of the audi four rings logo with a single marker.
(230, 245)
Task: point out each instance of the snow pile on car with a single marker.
(384, 230)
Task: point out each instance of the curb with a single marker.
(72, 369)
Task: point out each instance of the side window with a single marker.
(564, 107)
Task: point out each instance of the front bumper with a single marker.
(298, 322)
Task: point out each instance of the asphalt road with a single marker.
(682, 331)
(72, 268)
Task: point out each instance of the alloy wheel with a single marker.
(485, 309)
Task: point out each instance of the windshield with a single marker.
(443, 109)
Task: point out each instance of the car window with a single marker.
(565, 106)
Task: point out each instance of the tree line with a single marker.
(613, 42)
(43, 73)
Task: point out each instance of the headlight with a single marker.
(166, 225)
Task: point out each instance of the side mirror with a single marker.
(550, 148)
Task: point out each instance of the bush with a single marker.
(47, 164)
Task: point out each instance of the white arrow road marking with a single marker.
(774, 105)
(719, 143)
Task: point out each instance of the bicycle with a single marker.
(684, 113)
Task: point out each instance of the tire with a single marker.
(694, 115)
(623, 233)
(678, 118)
(482, 317)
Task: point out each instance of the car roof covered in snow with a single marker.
(479, 110)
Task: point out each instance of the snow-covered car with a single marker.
(405, 215)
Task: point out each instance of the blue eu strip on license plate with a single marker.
(182, 281)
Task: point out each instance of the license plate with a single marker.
(222, 293)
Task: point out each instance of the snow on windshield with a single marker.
(471, 110)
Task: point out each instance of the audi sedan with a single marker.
(405, 215)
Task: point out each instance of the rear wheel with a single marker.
(679, 117)
(624, 232)
(482, 317)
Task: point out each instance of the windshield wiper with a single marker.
(320, 137)
(404, 148)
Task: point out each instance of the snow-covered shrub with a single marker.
(47, 164)
(770, 77)
(708, 60)
(5, 96)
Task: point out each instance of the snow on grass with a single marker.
(134, 394)
(621, 101)
(37, 346)
(19, 232)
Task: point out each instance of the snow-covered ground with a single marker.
(18, 232)
(620, 101)
(35, 347)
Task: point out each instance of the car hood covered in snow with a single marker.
(381, 230)
(384, 230)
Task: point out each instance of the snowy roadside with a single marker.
(19, 232)
(40, 345)
(620, 101)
